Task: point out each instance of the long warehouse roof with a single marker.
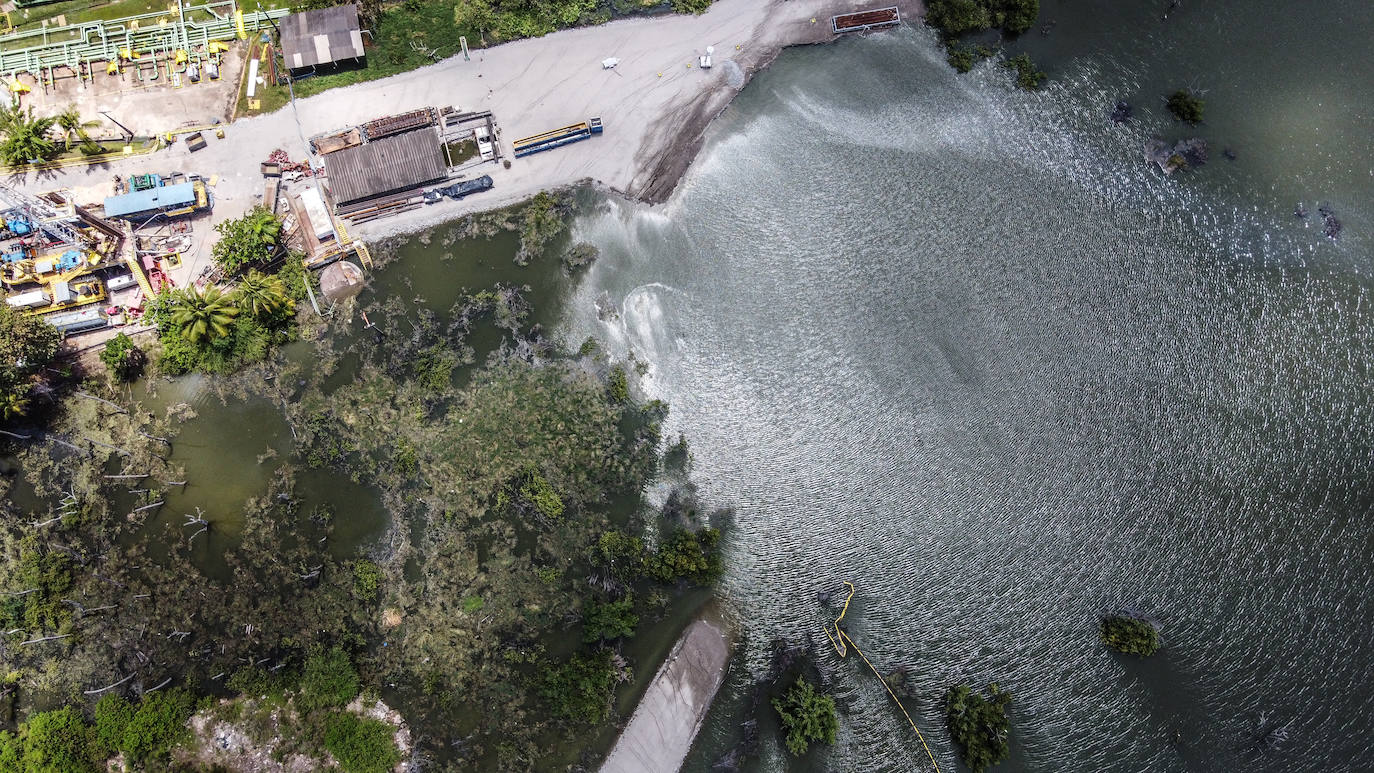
(394, 163)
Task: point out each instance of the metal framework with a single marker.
(179, 28)
(45, 216)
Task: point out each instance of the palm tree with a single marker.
(26, 136)
(203, 314)
(73, 128)
(262, 294)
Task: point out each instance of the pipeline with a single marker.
(841, 642)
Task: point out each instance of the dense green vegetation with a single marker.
(122, 358)
(27, 345)
(1186, 106)
(807, 717)
(216, 331)
(1129, 634)
(513, 489)
(609, 620)
(978, 725)
(960, 17)
(62, 741)
(1027, 76)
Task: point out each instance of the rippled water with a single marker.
(956, 344)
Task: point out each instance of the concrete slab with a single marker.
(661, 730)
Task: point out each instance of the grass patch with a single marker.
(360, 745)
(270, 96)
(458, 152)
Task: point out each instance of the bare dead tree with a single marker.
(165, 682)
(44, 638)
(116, 449)
(147, 507)
(117, 407)
(110, 686)
(196, 520)
(126, 477)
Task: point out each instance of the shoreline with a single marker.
(656, 105)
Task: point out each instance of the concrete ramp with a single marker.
(667, 718)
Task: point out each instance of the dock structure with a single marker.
(866, 20)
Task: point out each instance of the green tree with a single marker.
(25, 136)
(807, 715)
(611, 620)
(251, 240)
(57, 742)
(263, 295)
(691, 6)
(204, 315)
(475, 14)
(1186, 106)
(978, 725)
(27, 344)
(1128, 634)
(123, 359)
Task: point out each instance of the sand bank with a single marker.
(661, 730)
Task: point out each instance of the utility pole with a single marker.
(120, 125)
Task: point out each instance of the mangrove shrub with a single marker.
(579, 690)
(1186, 106)
(122, 358)
(611, 620)
(1128, 634)
(978, 725)
(807, 716)
(958, 17)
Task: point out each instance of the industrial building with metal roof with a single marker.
(396, 163)
(323, 36)
(151, 200)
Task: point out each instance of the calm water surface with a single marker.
(958, 345)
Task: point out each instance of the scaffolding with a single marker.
(173, 33)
